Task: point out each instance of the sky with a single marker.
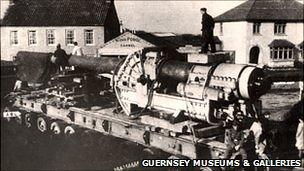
(179, 16)
(168, 16)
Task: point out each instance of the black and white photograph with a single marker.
(173, 85)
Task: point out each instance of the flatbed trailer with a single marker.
(36, 109)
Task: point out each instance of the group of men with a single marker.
(297, 110)
(60, 56)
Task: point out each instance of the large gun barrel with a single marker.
(169, 69)
(37, 66)
(40, 62)
(277, 75)
(175, 70)
(249, 80)
(197, 90)
(100, 65)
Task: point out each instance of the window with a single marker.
(88, 37)
(14, 37)
(50, 37)
(279, 28)
(221, 28)
(281, 53)
(256, 28)
(69, 37)
(32, 37)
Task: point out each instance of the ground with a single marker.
(279, 101)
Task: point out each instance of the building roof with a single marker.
(281, 43)
(185, 39)
(158, 41)
(188, 39)
(264, 10)
(7, 63)
(57, 13)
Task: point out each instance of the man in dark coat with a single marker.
(87, 90)
(295, 116)
(207, 32)
(61, 57)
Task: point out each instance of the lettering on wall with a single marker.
(128, 41)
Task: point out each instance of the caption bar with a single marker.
(218, 163)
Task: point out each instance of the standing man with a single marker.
(61, 57)
(297, 110)
(207, 32)
(295, 116)
(77, 50)
(87, 90)
(301, 90)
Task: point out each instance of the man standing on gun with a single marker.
(61, 58)
(207, 32)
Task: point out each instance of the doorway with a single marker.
(254, 55)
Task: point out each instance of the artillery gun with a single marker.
(149, 79)
(152, 97)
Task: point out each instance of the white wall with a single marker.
(8, 50)
(294, 34)
(234, 39)
(239, 36)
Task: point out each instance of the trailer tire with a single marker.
(69, 130)
(28, 120)
(20, 119)
(42, 124)
(56, 128)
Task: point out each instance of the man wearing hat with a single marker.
(60, 57)
(207, 32)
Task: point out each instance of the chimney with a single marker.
(121, 27)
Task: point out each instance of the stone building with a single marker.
(263, 32)
(39, 25)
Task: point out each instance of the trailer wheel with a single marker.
(69, 130)
(28, 120)
(42, 124)
(55, 128)
(20, 119)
